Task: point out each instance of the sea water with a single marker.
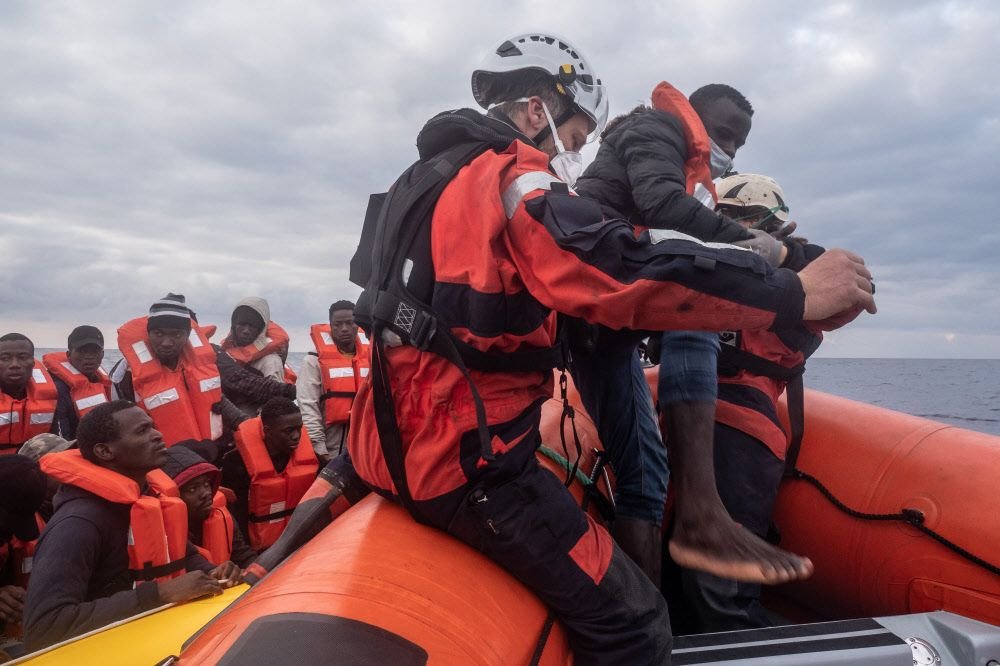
(964, 393)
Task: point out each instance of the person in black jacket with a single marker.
(639, 174)
(80, 580)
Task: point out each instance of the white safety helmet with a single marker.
(746, 190)
(573, 74)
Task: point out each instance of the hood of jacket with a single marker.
(183, 464)
(260, 306)
(451, 128)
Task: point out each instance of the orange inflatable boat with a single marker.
(376, 587)
(884, 463)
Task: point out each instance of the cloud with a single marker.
(227, 148)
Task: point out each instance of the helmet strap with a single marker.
(558, 122)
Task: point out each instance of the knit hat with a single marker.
(22, 491)
(183, 465)
(169, 312)
(43, 444)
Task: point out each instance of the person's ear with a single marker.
(104, 452)
(535, 115)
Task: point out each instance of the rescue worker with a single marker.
(168, 367)
(117, 543)
(80, 381)
(210, 525)
(27, 394)
(329, 379)
(269, 471)
(750, 443)
(256, 341)
(22, 490)
(449, 421)
(655, 168)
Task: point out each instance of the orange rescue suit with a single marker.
(179, 401)
(342, 375)
(20, 420)
(748, 400)
(158, 525)
(85, 393)
(273, 495)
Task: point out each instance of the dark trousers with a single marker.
(530, 525)
(747, 474)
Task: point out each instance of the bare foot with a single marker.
(724, 548)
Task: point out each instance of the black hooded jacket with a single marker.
(638, 174)
(79, 577)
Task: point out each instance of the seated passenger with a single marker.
(750, 443)
(27, 394)
(210, 525)
(79, 378)
(22, 490)
(117, 543)
(256, 341)
(329, 379)
(270, 470)
(168, 368)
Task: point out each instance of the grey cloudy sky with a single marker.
(224, 149)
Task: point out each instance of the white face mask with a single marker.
(722, 163)
(567, 164)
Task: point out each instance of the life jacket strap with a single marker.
(149, 572)
(255, 518)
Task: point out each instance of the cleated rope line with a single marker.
(912, 517)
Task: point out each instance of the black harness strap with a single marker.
(277, 515)
(795, 395)
(733, 359)
(149, 572)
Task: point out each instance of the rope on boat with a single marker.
(912, 517)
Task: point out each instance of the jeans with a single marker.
(613, 388)
(688, 371)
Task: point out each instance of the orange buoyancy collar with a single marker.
(157, 544)
(179, 401)
(342, 375)
(20, 420)
(273, 496)
(85, 394)
(698, 165)
(274, 341)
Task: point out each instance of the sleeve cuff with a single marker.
(793, 301)
(149, 595)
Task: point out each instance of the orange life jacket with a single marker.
(179, 401)
(290, 375)
(85, 393)
(158, 525)
(698, 165)
(342, 376)
(275, 341)
(217, 532)
(273, 496)
(23, 554)
(20, 420)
